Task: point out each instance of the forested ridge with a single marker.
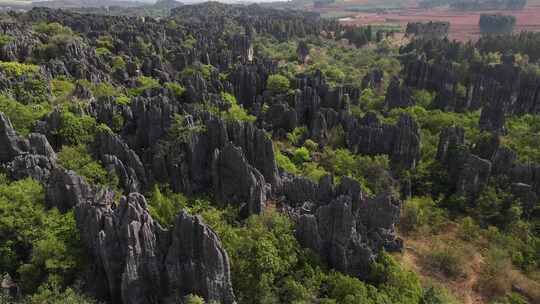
(243, 154)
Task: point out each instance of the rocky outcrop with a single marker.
(33, 157)
(135, 260)
(373, 79)
(398, 96)
(12, 145)
(235, 181)
(473, 176)
(401, 142)
(449, 140)
(346, 229)
(115, 153)
(65, 190)
(281, 116)
(428, 29)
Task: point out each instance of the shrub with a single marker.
(193, 299)
(118, 63)
(372, 172)
(23, 117)
(52, 29)
(198, 68)
(311, 145)
(277, 84)
(493, 280)
(419, 212)
(16, 69)
(399, 285)
(180, 131)
(5, 39)
(176, 88)
(78, 159)
(470, 230)
(423, 98)
(31, 91)
(62, 88)
(52, 293)
(297, 135)
(103, 89)
(165, 207)
(300, 156)
(313, 171)
(76, 130)
(101, 51)
(105, 42)
(143, 83)
(36, 243)
(447, 259)
(235, 112)
(285, 163)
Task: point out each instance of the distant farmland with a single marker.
(463, 24)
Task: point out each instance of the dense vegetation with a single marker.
(85, 111)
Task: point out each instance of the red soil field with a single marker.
(463, 25)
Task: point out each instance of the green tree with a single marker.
(277, 84)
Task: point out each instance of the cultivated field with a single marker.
(464, 24)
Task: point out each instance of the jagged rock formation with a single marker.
(116, 155)
(346, 229)
(234, 180)
(65, 190)
(135, 260)
(11, 144)
(401, 142)
(373, 79)
(398, 96)
(428, 29)
(32, 157)
(499, 90)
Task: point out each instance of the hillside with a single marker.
(243, 154)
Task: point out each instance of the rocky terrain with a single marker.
(176, 146)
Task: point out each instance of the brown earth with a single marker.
(463, 25)
(464, 288)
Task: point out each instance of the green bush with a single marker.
(401, 286)
(285, 163)
(423, 98)
(31, 91)
(297, 135)
(198, 68)
(78, 159)
(447, 259)
(277, 84)
(165, 207)
(235, 112)
(51, 293)
(523, 137)
(62, 88)
(16, 69)
(5, 39)
(193, 299)
(176, 88)
(36, 244)
(143, 83)
(313, 171)
(372, 172)
(421, 212)
(105, 42)
(22, 117)
(348, 290)
(300, 156)
(75, 129)
(52, 29)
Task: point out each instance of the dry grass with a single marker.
(482, 274)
